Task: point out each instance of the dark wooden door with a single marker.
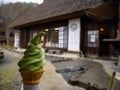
(92, 42)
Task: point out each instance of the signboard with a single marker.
(16, 40)
(61, 37)
(74, 35)
(92, 38)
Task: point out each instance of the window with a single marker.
(2, 33)
(11, 34)
(93, 38)
(57, 37)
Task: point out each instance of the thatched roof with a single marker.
(106, 11)
(50, 9)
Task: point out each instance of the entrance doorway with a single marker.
(104, 48)
(96, 47)
(92, 42)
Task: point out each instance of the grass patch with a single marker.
(9, 77)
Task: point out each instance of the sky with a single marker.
(13, 1)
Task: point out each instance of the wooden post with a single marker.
(118, 32)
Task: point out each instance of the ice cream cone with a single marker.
(31, 77)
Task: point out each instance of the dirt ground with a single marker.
(62, 74)
(95, 74)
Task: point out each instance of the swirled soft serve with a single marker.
(33, 59)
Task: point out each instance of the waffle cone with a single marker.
(31, 77)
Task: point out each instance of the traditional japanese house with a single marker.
(67, 26)
(106, 17)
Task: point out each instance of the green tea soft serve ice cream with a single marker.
(31, 66)
(33, 59)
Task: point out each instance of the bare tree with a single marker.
(12, 11)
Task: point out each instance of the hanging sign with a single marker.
(74, 35)
(61, 37)
(16, 40)
(92, 38)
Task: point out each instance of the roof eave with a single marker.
(51, 19)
